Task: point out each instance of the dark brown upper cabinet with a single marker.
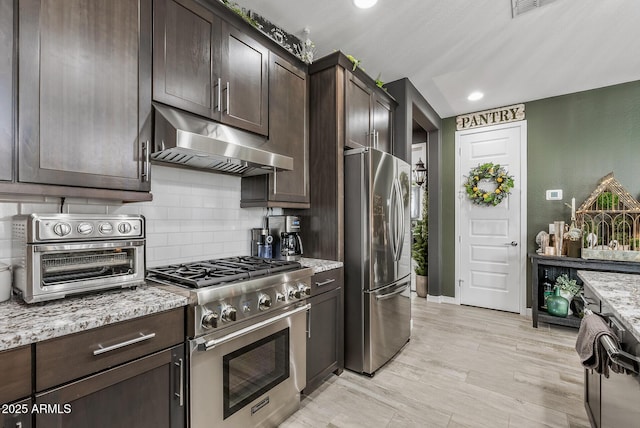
(288, 131)
(85, 93)
(6, 90)
(207, 66)
(186, 45)
(369, 116)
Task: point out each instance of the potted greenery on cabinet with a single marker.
(420, 248)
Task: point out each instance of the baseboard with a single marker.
(442, 299)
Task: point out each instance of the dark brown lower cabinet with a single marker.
(17, 415)
(325, 348)
(147, 392)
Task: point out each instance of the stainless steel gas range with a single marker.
(247, 330)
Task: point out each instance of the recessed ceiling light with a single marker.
(364, 4)
(475, 96)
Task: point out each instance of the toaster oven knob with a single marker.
(229, 314)
(124, 228)
(105, 228)
(210, 320)
(264, 302)
(61, 229)
(304, 288)
(85, 228)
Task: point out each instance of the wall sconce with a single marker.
(420, 173)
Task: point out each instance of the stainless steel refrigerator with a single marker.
(377, 258)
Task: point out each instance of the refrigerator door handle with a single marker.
(402, 224)
(399, 235)
(393, 227)
(393, 293)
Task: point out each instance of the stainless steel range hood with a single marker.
(191, 141)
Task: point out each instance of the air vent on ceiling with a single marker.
(518, 7)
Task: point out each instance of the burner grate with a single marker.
(214, 272)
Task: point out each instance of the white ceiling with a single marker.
(449, 48)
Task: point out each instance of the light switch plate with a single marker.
(554, 195)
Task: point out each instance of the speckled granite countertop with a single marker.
(320, 265)
(621, 292)
(22, 324)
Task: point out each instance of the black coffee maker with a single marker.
(285, 229)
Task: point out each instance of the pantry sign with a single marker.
(490, 117)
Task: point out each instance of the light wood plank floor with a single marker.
(464, 367)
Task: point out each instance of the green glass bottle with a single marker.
(557, 305)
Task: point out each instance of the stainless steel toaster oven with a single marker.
(57, 255)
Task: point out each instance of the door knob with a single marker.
(512, 244)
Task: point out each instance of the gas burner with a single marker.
(215, 272)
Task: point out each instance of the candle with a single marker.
(573, 208)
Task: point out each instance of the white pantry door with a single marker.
(491, 247)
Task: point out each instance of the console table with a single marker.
(569, 265)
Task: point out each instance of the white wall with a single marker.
(194, 215)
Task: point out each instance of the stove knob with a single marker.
(210, 320)
(304, 289)
(229, 314)
(61, 229)
(264, 302)
(280, 297)
(85, 228)
(293, 293)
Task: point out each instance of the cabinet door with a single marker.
(6, 90)
(16, 374)
(85, 93)
(592, 395)
(17, 415)
(148, 392)
(186, 57)
(382, 123)
(358, 113)
(324, 344)
(244, 81)
(288, 130)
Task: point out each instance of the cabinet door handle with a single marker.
(228, 99)
(309, 323)
(327, 282)
(219, 94)
(180, 393)
(275, 181)
(146, 150)
(141, 338)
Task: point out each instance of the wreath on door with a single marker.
(493, 172)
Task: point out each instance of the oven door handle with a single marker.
(209, 345)
(87, 246)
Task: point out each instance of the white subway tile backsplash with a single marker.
(8, 210)
(28, 208)
(157, 239)
(85, 209)
(192, 251)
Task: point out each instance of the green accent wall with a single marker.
(572, 141)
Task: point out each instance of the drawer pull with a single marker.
(141, 338)
(327, 282)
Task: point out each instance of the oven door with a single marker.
(251, 376)
(57, 270)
